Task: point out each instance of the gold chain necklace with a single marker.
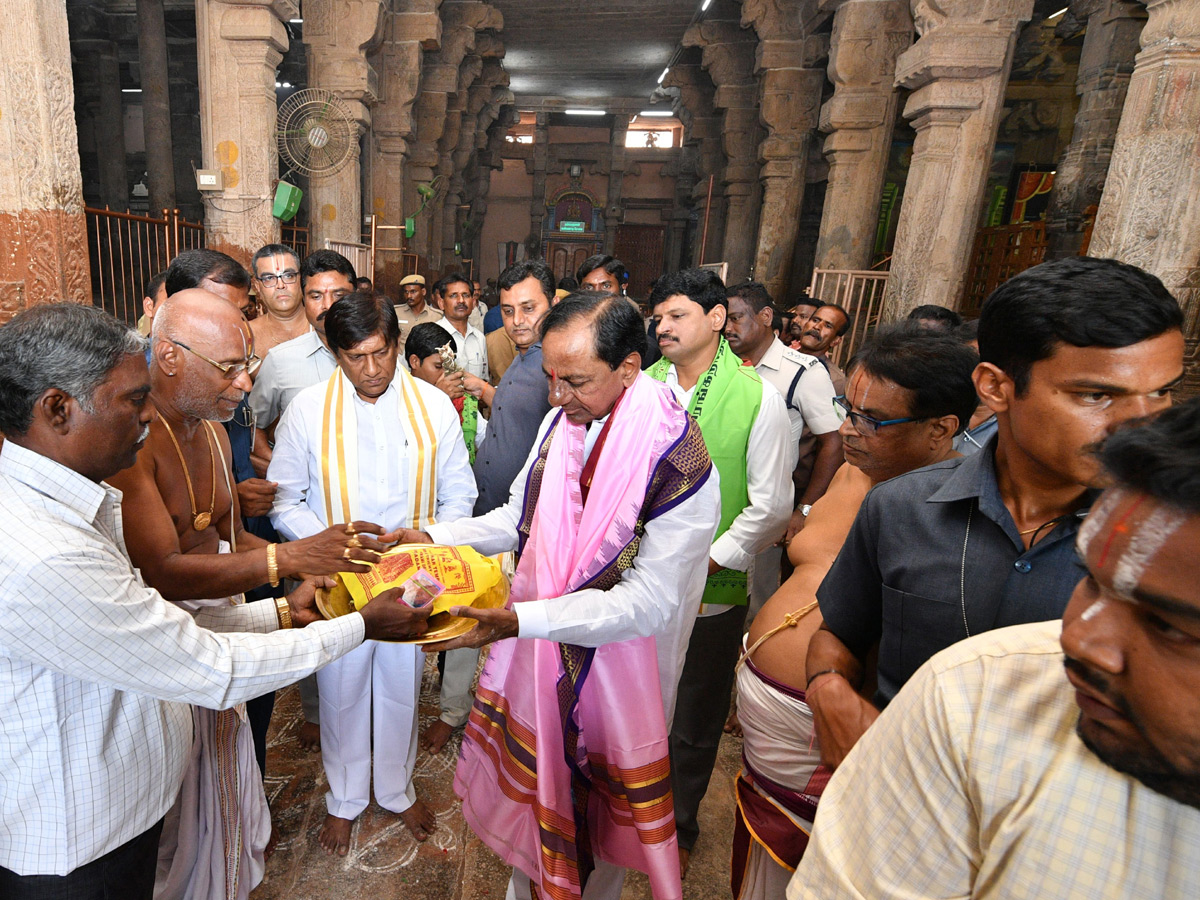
(200, 520)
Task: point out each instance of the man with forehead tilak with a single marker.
(564, 770)
(184, 531)
(1035, 782)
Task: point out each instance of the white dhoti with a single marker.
(371, 692)
(215, 836)
(780, 749)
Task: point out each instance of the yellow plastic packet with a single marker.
(467, 577)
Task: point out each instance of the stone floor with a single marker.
(385, 862)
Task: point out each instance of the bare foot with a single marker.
(310, 736)
(435, 736)
(419, 820)
(684, 857)
(732, 725)
(335, 835)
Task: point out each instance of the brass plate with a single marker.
(332, 603)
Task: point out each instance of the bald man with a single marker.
(184, 531)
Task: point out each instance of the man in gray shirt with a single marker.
(519, 404)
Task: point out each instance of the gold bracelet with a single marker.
(283, 611)
(272, 566)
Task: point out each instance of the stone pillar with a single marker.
(99, 59)
(1149, 215)
(957, 72)
(1105, 64)
(728, 53)
(616, 180)
(537, 202)
(693, 92)
(43, 240)
(338, 36)
(868, 36)
(156, 106)
(238, 47)
(412, 26)
(789, 103)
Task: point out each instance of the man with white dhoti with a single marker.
(370, 443)
(565, 771)
(184, 532)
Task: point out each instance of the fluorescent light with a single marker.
(131, 90)
(1059, 13)
(656, 112)
(584, 112)
(283, 84)
(296, 21)
(705, 5)
(664, 74)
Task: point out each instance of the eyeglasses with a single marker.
(867, 425)
(229, 370)
(270, 278)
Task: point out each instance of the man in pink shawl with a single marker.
(564, 770)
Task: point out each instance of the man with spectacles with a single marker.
(184, 532)
(276, 270)
(325, 277)
(927, 377)
(1070, 349)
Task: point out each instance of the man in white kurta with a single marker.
(391, 447)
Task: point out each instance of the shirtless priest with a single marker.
(904, 373)
(399, 458)
(184, 532)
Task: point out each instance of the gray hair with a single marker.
(68, 346)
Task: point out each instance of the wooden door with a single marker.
(565, 257)
(640, 248)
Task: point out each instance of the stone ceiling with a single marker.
(587, 53)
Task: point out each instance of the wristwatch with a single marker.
(806, 509)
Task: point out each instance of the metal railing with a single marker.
(860, 293)
(126, 250)
(361, 256)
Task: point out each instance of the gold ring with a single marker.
(350, 529)
(346, 553)
(354, 542)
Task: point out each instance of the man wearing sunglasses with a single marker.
(276, 270)
(1070, 349)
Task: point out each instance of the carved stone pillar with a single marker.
(957, 72)
(414, 25)
(868, 36)
(1109, 48)
(728, 53)
(338, 35)
(239, 45)
(789, 103)
(156, 106)
(461, 21)
(616, 181)
(43, 241)
(537, 203)
(693, 91)
(1149, 215)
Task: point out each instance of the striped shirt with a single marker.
(973, 783)
(97, 671)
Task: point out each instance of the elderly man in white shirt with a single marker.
(97, 670)
(749, 437)
(390, 446)
(456, 297)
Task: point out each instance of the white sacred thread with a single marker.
(1148, 538)
(1092, 611)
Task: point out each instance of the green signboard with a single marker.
(572, 227)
